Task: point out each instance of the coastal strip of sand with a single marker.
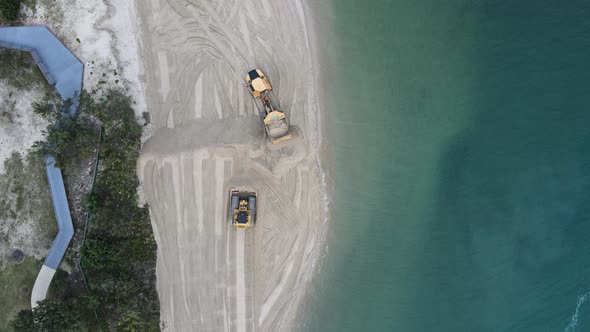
(207, 138)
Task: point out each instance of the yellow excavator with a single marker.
(242, 208)
(257, 82)
(275, 121)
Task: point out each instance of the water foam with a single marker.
(571, 327)
(325, 203)
(324, 190)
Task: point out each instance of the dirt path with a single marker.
(207, 140)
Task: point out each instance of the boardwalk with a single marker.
(63, 70)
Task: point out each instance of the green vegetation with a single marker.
(119, 253)
(16, 283)
(21, 71)
(72, 313)
(9, 10)
(30, 3)
(70, 139)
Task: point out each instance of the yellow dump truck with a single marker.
(242, 208)
(275, 121)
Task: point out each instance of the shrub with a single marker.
(119, 253)
(10, 9)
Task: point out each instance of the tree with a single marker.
(46, 109)
(23, 322)
(129, 322)
(119, 253)
(10, 9)
(72, 137)
(68, 314)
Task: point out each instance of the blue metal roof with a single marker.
(63, 70)
(62, 214)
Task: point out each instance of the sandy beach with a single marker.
(207, 138)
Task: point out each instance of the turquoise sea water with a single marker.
(458, 149)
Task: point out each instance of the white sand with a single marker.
(103, 35)
(19, 126)
(209, 139)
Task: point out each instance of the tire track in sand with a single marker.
(212, 277)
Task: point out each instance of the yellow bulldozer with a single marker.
(242, 208)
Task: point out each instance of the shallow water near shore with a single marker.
(457, 147)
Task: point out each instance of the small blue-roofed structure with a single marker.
(61, 68)
(64, 71)
(62, 214)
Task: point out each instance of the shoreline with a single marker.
(322, 160)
